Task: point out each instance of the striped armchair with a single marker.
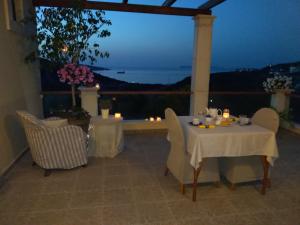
(61, 146)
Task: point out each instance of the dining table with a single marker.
(232, 140)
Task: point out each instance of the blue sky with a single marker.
(245, 34)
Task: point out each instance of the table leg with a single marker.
(196, 175)
(265, 181)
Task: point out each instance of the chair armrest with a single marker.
(53, 118)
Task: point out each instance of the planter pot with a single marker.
(89, 99)
(105, 113)
(280, 100)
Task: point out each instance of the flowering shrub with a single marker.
(74, 74)
(281, 82)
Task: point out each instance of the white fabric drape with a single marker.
(106, 137)
(229, 141)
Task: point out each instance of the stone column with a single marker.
(201, 63)
(89, 99)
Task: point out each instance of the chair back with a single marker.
(28, 119)
(175, 132)
(31, 125)
(267, 118)
(174, 127)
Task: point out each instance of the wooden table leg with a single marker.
(265, 181)
(196, 175)
(166, 171)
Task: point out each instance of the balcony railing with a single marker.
(143, 104)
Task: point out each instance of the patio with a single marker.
(131, 189)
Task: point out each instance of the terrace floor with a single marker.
(131, 189)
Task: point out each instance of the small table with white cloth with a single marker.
(230, 141)
(106, 137)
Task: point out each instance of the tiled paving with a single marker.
(131, 189)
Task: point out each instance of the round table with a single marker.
(106, 137)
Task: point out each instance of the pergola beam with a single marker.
(168, 3)
(124, 7)
(210, 4)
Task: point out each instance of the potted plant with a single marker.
(105, 105)
(280, 86)
(65, 38)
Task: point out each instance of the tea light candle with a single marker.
(226, 114)
(158, 119)
(118, 116)
(151, 119)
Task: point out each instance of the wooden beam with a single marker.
(123, 7)
(168, 3)
(210, 4)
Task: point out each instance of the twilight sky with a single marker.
(250, 33)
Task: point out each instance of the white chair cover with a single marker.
(179, 160)
(249, 168)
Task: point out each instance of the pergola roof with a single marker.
(166, 6)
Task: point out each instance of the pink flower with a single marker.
(74, 74)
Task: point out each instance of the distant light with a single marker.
(211, 100)
(97, 86)
(65, 49)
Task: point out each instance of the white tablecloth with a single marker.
(234, 140)
(106, 137)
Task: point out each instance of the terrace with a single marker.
(131, 188)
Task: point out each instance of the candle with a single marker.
(151, 119)
(158, 119)
(226, 114)
(118, 116)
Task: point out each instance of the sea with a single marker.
(153, 76)
(147, 76)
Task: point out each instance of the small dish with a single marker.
(195, 125)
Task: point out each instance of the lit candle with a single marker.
(118, 116)
(151, 119)
(158, 119)
(226, 114)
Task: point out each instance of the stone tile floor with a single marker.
(131, 189)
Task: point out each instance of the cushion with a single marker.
(55, 123)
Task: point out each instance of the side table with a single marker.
(106, 137)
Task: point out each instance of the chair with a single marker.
(178, 162)
(53, 143)
(249, 168)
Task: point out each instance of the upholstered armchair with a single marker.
(53, 143)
